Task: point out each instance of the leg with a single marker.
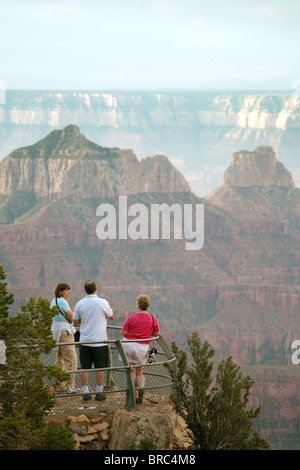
(66, 358)
(86, 363)
(59, 362)
(100, 355)
(69, 357)
(140, 383)
(84, 378)
(140, 378)
(100, 377)
(133, 375)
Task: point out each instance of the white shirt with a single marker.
(92, 311)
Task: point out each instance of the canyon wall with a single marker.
(108, 172)
(240, 291)
(197, 130)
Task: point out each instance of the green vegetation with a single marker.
(24, 398)
(146, 444)
(216, 414)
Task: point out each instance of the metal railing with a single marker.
(118, 385)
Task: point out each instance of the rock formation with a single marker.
(198, 129)
(65, 163)
(126, 430)
(256, 185)
(258, 168)
(240, 291)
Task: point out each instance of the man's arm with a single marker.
(76, 316)
(108, 310)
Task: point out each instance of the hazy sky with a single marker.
(149, 43)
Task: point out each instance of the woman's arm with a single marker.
(69, 315)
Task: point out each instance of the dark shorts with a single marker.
(93, 355)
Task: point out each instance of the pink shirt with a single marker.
(139, 325)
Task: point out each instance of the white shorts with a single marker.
(137, 353)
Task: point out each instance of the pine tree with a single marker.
(24, 398)
(215, 410)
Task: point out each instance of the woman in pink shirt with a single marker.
(140, 325)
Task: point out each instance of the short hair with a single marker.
(90, 286)
(143, 302)
(61, 287)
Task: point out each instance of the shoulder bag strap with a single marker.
(61, 311)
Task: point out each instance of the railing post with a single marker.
(165, 348)
(170, 356)
(130, 392)
(110, 374)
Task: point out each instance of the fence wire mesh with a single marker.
(118, 389)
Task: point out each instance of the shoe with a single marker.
(71, 390)
(139, 400)
(86, 397)
(100, 396)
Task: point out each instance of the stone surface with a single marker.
(126, 430)
(196, 129)
(130, 428)
(65, 163)
(257, 168)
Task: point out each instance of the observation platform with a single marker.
(119, 390)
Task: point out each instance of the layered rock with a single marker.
(240, 291)
(257, 168)
(258, 190)
(119, 429)
(197, 129)
(65, 163)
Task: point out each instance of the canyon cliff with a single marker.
(197, 130)
(240, 291)
(258, 168)
(56, 166)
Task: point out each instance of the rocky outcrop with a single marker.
(158, 426)
(65, 163)
(258, 192)
(257, 168)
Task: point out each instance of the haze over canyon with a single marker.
(196, 130)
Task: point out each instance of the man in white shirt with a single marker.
(91, 313)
